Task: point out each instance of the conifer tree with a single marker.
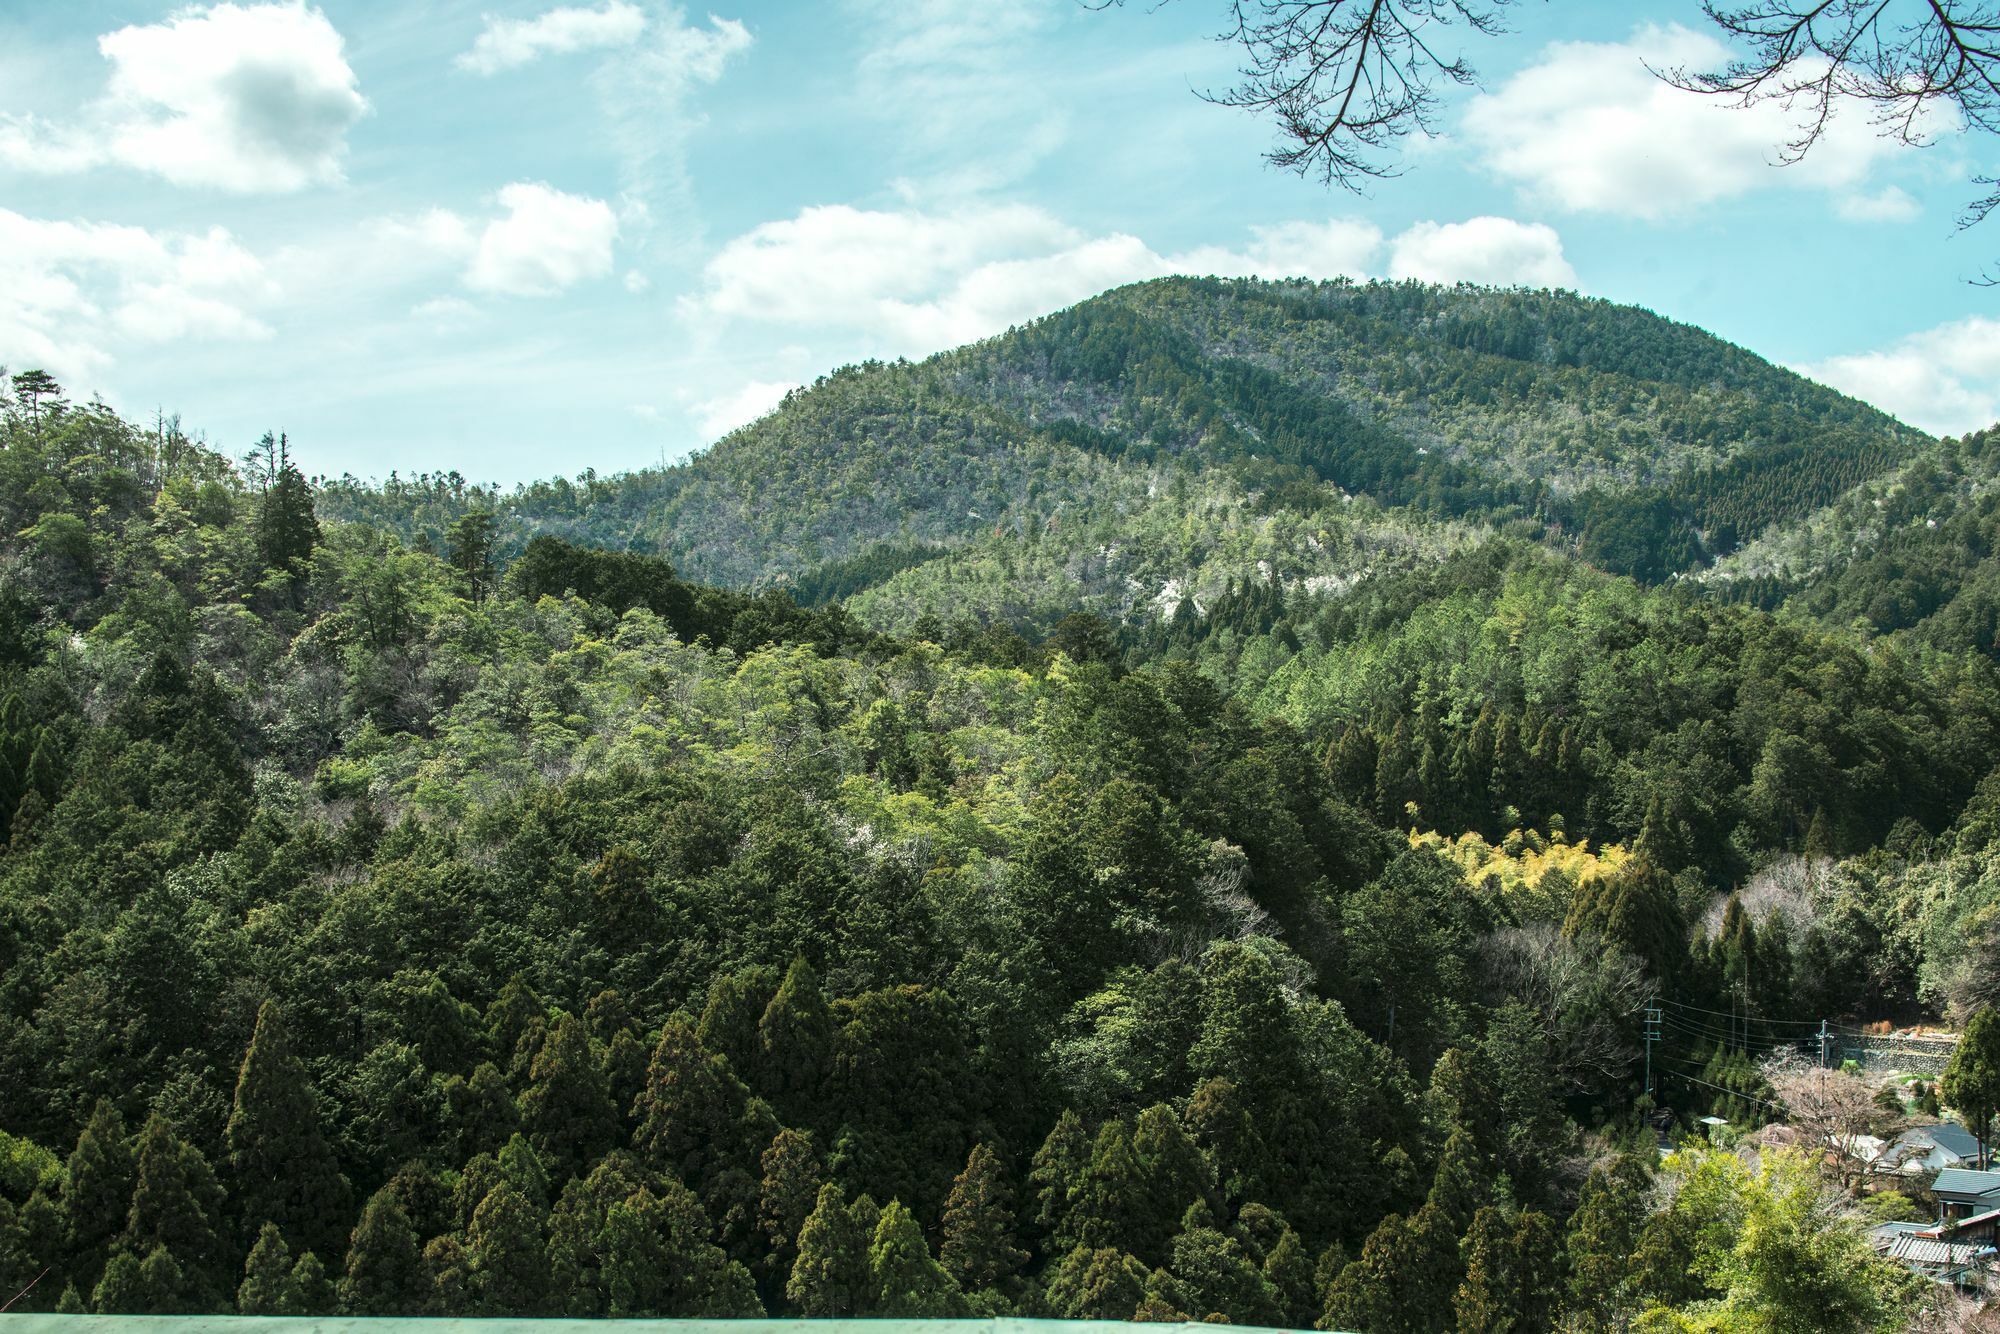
(97, 1189)
(1218, 1277)
(657, 1260)
(385, 1271)
(507, 1255)
(1971, 1083)
(1289, 1271)
(1174, 1174)
(314, 1288)
(978, 1249)
(521, 1167)
(480, 1111)
(287, 528)
(1459, 1188)
(907, 1282)
(795, 1040)
(729, 1020)
(566, 1108)
(270, 1284)
(175, 1200)
(1486, 1299)
(1101, 1284)
(281, 1167)
(1056, 1178)
(788, 1196)
(1603, 1234)
(831, 1277)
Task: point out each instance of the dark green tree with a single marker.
(1971, 1083)
(566, 1108)
(908, 1283)
(831, 1275)
(507, 1255)
(281, 1168)
(385, 1271)
(270, 1282)
(978, 1249)
(287, 527)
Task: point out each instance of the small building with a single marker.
(1933, 1148)
(1963, 1194)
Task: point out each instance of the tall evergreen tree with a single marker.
(795, 1039)
(978, 1250)
(270, 1283)
(566, 1108)
(97, 1190)
(1971, 1083)
(281, 1168)
(175, 1203)
(790, 1192)
(831, 1276)
(385, 1271)
(908, 1283)
(507, 1255)
(287, 527)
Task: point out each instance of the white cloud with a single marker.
(547, 241)
(643, 93)
(72, 294)
(506, 44)
(946, 78)
(241, 98)
(1496, 251)
(1945, 380)
(1891, 203)
(717, 417)
(1590, 127)
(922, 281)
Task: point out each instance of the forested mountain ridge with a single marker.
(425, 926)
(1647, 445)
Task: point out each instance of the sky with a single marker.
(518, 239)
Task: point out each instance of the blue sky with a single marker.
(517, 239)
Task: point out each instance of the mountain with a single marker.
(1915, 551)
(1649, 447)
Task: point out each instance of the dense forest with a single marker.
(1219, 880)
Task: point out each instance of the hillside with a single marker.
(1915, 551)
(1648, 446)
(418, 927)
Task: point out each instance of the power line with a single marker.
(1742, 1016)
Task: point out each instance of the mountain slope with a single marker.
(1648, 446)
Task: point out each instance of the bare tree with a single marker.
(1346, 79)
(1834, 1110)
(1902, 61)
(1587, 991)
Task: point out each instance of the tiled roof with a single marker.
(1948, 1254)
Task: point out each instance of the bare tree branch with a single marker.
(1346, 79)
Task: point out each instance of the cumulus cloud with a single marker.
(717, 417)
(1496, 251)
(923, 281)
(506, 44)
(1945, 380)
(245, 98)
(547, 241)
(72, 294)
(917, 281)
(1590, 127)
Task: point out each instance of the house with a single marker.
(1963, 1194)
(1961, 1254)
(1924, 1149)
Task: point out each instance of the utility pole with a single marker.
(1825, 1047)
(1652, 1032)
